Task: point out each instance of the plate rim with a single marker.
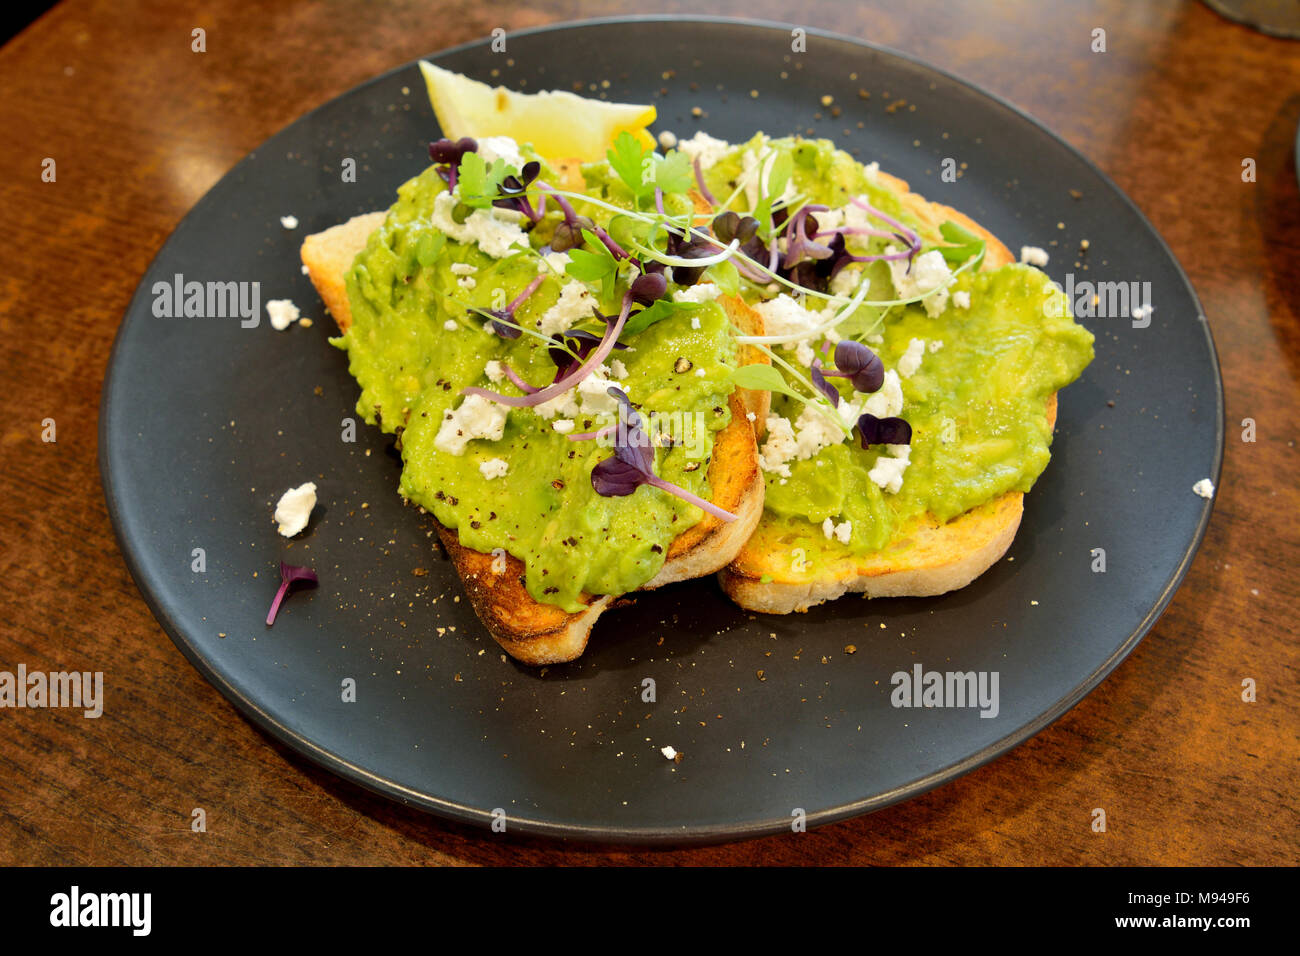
(453, 811)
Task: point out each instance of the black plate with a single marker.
(204, 423)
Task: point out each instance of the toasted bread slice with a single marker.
(530, 631)
(925, 557)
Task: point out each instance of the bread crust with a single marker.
(925, 557)
(528, 630)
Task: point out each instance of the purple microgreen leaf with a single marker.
(573, 378)
(615, 478)
(648, 287)
(290, 575)
(883, 431)
(823, 386)
(450, 152)
(859, 365)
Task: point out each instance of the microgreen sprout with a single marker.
(290, 575)
(502, 321)
(632, 463)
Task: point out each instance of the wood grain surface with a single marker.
(141, 127)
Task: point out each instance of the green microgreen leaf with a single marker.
(726, 277)
(763, 378)
(778, 178)
(593, 266)
(964, 244)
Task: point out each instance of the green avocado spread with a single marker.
(414, 345)
(976, 402)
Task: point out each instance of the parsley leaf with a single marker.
(674, 173)
(641, 170)
(477, 183)
(628, 160)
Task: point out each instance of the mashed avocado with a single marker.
(976, 403)
(411, 367)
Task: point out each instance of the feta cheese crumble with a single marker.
(929, 274)
(463, 268)
(282, 312)
(476, 417)
(493, 468)
(451, 325)
(289, 222)
(492, 148)
(780, 446)
(961, 299)
(495, 231)
(294, 509)
(563, 425)
(784, 316)
(888, 472)
(838, 532)
(701, 292)
(910, 360)
(493, 370)
(1204, 488)
(887, 402)
(573, 305)
(1033, 256)
(705, 148)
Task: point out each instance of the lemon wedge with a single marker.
(559, 124)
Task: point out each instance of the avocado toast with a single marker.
(509, 342)
(905, 427)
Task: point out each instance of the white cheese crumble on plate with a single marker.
(289, 222)
(1204, 488)
(283, 313)
(1033, 256)
(294, 509)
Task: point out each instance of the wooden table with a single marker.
(141, 127)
